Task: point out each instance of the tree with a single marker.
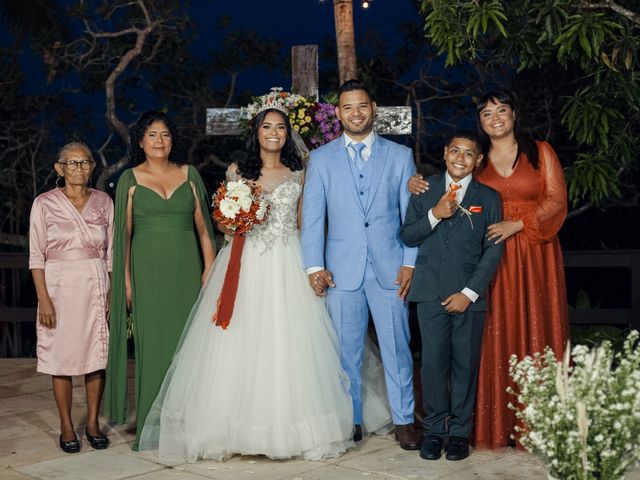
(345, 39)
(591, 51)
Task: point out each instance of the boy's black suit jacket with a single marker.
(453, 255)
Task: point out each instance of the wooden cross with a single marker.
(304, 79)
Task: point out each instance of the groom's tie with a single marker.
(357, 150)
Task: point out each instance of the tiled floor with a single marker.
(29, 433)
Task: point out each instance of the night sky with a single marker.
(295, 22)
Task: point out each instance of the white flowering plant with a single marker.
(580, 415)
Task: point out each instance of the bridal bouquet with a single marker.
(581, 415)
(239, 206)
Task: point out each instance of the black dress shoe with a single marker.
(70, 446)
(431, 447)
(357, 433)
(99, 442)
(458, 448)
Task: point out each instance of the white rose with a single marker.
(229, 208)
(262, 209)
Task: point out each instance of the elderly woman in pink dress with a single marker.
(71, 228)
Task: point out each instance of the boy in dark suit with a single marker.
(455, 264)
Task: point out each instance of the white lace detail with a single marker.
(282, 221)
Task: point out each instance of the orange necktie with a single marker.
(453, 188)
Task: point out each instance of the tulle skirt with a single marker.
(271, 383)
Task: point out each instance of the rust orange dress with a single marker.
(527, 307)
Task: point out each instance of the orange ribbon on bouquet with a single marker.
(227, 298)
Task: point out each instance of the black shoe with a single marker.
(458, 448)
(357, 433)
(99, 442)
(431, 447)
(70, 446)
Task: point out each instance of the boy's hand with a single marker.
(456, 303)
(445, 208)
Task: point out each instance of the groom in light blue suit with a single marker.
(357, 187)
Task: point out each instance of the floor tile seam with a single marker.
(382, 474)
(12, 469)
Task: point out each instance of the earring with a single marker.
(90, 183)
(58, 181)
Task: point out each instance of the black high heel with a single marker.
(98, 442)
(70, 446)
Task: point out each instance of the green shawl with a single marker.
(115, 401)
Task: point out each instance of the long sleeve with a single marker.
(410, 252)
(314, 205)
(37, 236)
(544, 221)
(115, 396)
(416, 226)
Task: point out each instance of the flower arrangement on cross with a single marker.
(315, 121)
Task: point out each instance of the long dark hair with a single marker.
(137, 131)
(250, 164)
(526, 144)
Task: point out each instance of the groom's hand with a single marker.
(320, 281)
(405, 274)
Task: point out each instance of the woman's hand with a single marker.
(503, 230)
(417, 184)
(46, 313)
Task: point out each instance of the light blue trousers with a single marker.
(349, 311)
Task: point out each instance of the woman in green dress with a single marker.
(163, 250)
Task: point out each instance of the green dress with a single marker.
(166, 268)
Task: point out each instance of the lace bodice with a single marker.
(282, 221)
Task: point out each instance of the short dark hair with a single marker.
(468, 135)
(354, 84)
(137, 131)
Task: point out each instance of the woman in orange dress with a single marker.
(527, 300)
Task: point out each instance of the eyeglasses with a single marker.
(73, 164)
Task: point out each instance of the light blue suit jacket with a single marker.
(353, 231)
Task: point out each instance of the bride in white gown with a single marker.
(271, 383)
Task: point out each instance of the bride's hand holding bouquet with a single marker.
(238, 206)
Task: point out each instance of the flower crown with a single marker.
(276, 100)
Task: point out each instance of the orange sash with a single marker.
(227, 298)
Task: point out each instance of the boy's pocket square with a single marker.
(475, 209)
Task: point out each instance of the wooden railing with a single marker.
(13, 314)
(628, 259)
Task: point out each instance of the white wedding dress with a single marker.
(271, 383)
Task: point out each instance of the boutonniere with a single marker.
(466, 211)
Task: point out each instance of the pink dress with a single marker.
(74, 250)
